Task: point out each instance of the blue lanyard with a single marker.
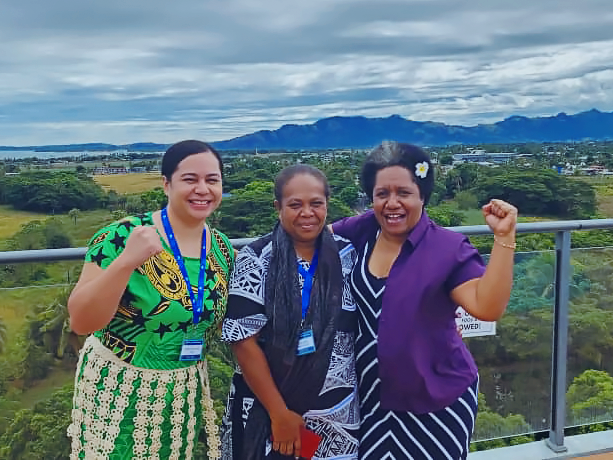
(307, 286)
(197, 305)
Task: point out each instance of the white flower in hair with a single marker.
(421, 169)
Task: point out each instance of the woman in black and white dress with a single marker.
(281, 384)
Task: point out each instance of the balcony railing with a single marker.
(544, 406)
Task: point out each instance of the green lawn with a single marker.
(87, 223)
(12, 220)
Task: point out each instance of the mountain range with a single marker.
(362, 132)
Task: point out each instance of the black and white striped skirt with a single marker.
(440, 435)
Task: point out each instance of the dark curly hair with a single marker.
(397, 154)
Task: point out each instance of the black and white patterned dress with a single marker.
(336, 417)
(384, 434)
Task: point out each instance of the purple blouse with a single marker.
(424, 365)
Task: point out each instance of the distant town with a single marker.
(576, 158)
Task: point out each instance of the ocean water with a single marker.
(81, 154)
(17, 154)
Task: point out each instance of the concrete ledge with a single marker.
(581, 445)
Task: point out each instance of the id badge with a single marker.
(306, 343)
(191, 350)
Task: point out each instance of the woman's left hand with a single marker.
(501, 217)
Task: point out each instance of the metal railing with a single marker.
(562, 230)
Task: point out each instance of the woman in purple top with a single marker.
(417, 380)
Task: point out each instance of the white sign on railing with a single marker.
(472, 327)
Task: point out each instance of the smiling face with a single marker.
(195, 188)
(303, 208)
(396, 201)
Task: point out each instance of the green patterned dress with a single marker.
(134, 398)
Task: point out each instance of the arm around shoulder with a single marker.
(354, 227)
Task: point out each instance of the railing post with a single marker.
(560, 344)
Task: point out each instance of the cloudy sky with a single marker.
(129, 71)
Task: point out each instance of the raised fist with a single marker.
(501, 217)
(143, 242)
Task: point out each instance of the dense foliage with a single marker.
(515, 365)
(535, 191)
(50, 192)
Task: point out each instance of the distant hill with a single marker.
(362, 132)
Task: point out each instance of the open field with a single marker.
(12, 220)
(604, 192)
(605, 204)
(604, 196)
(129, 183)
(87, 222)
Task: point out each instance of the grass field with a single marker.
(604, 192)
(604, 196)
(12, 220)
(87, 222)
(129, 183)
(605, 204)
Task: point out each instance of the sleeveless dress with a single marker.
(133, 397)
(440, 435)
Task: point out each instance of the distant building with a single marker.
(481, 156)
(593, 170)
(105, 170)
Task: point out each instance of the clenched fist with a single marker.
(143, 242)
(501, 217)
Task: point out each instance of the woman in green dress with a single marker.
(152, 294)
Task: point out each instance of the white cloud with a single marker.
(161, 71)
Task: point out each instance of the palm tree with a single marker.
(3, 335)
(74, 214)
(55, 321)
